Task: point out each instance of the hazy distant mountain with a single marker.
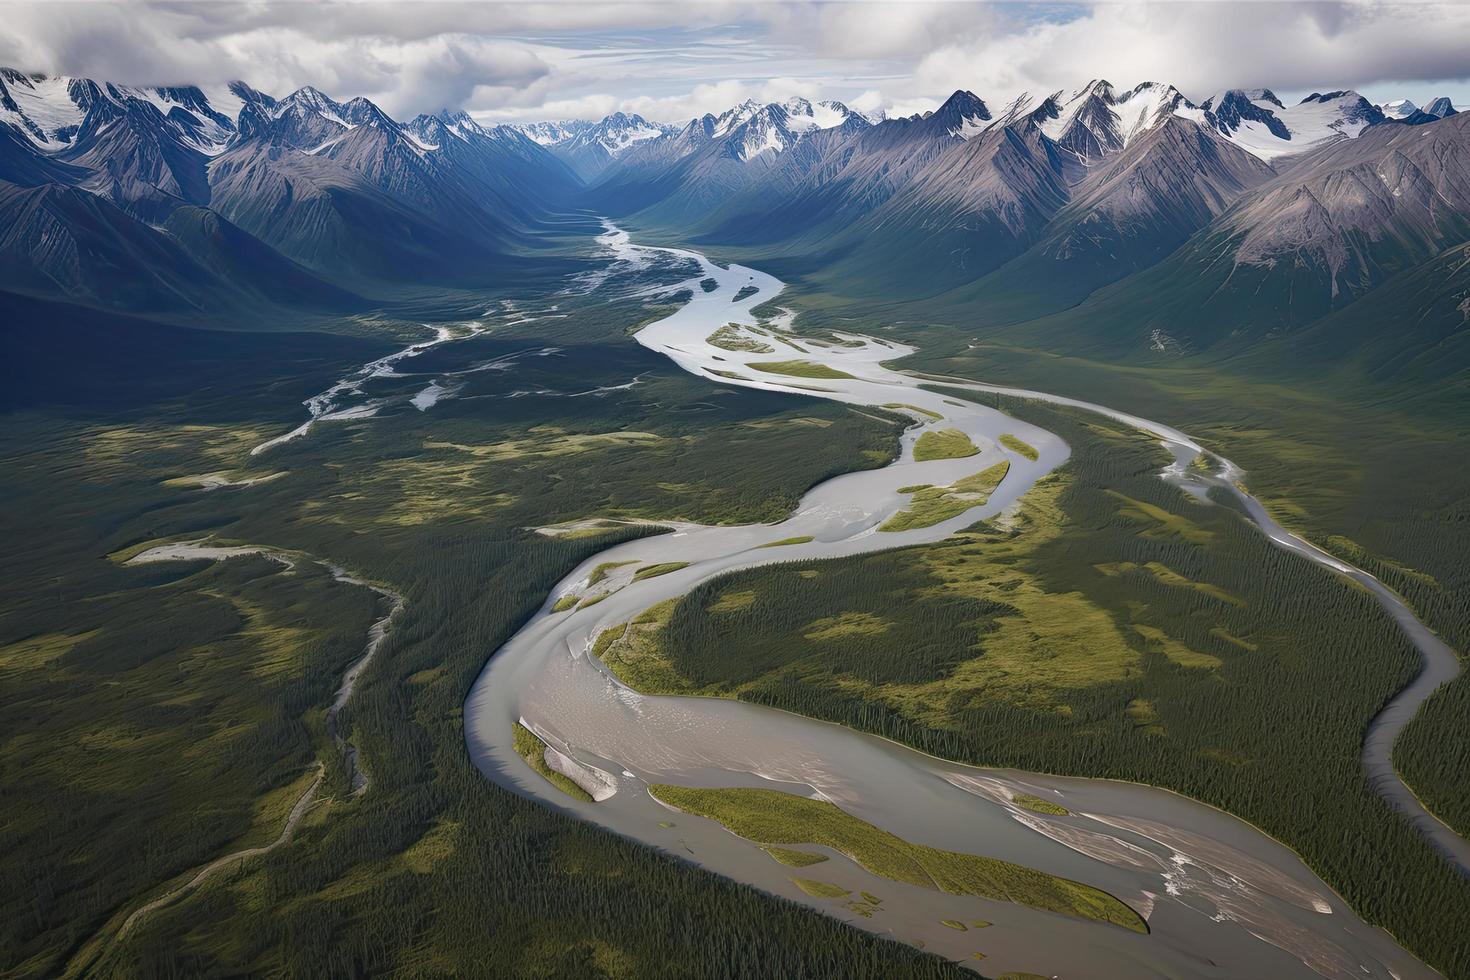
(551, 133)
(588, 148)
(696, 169)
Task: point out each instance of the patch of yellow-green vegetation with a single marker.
(1142, 713)
(38, 651)
(797, 539)
(1231, 638)
(1350, 550)
(944, 444)
(1160, 522)
(428, 675)
(845, 625)
(546, 441)
(432, 849)
(564, 603)
(821, 889)
(955, 924)
(915, 487)
(1055, 640)
(935, 505)
(575, 530)
(1182, 655)
(119, 450)
(1014, 975)
(801, 421)
(912, 408)
(732, 375)
(733, 601)
(1230, 757)
(435, 485)
(633, 653)
(221, 478)
(585, 532)
(279, 646)
(1168, 576)
(269, 811)
(593, 600)
(793, 858)
(729, 337)
(601, 571)
(980, 924)
(530, 747)
(1038, 805)
(773, 817)
(662, 568)
(800, 369)
(1019, 446)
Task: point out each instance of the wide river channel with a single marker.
(1221, 898)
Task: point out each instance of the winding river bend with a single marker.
(1221, 898)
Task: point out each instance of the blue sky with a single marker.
(673, 60)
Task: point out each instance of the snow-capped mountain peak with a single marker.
(1096, 120)
(41, 106)
(50, 110)
(311, 100)
(963, 115)
(1149, 105)
(554, 132)
(1082, 121)
(1260, 124)
(731, 119)
(802, 115)
(1399, 109)
(617, 132)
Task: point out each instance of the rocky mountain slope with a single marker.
(180, 199)
(189, 198)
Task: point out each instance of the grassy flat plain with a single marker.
(944, 444)
(772, 817)
(1114, 628)
(934, 505)
(730, 337)
(1019, 446)
(157, 716)
(799, 369)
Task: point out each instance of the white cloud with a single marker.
(1205, 47)
(673, 61)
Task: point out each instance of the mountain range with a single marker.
(186, 201)
(194, 201)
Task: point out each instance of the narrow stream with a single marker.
(1221, 898)
(202, 550)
